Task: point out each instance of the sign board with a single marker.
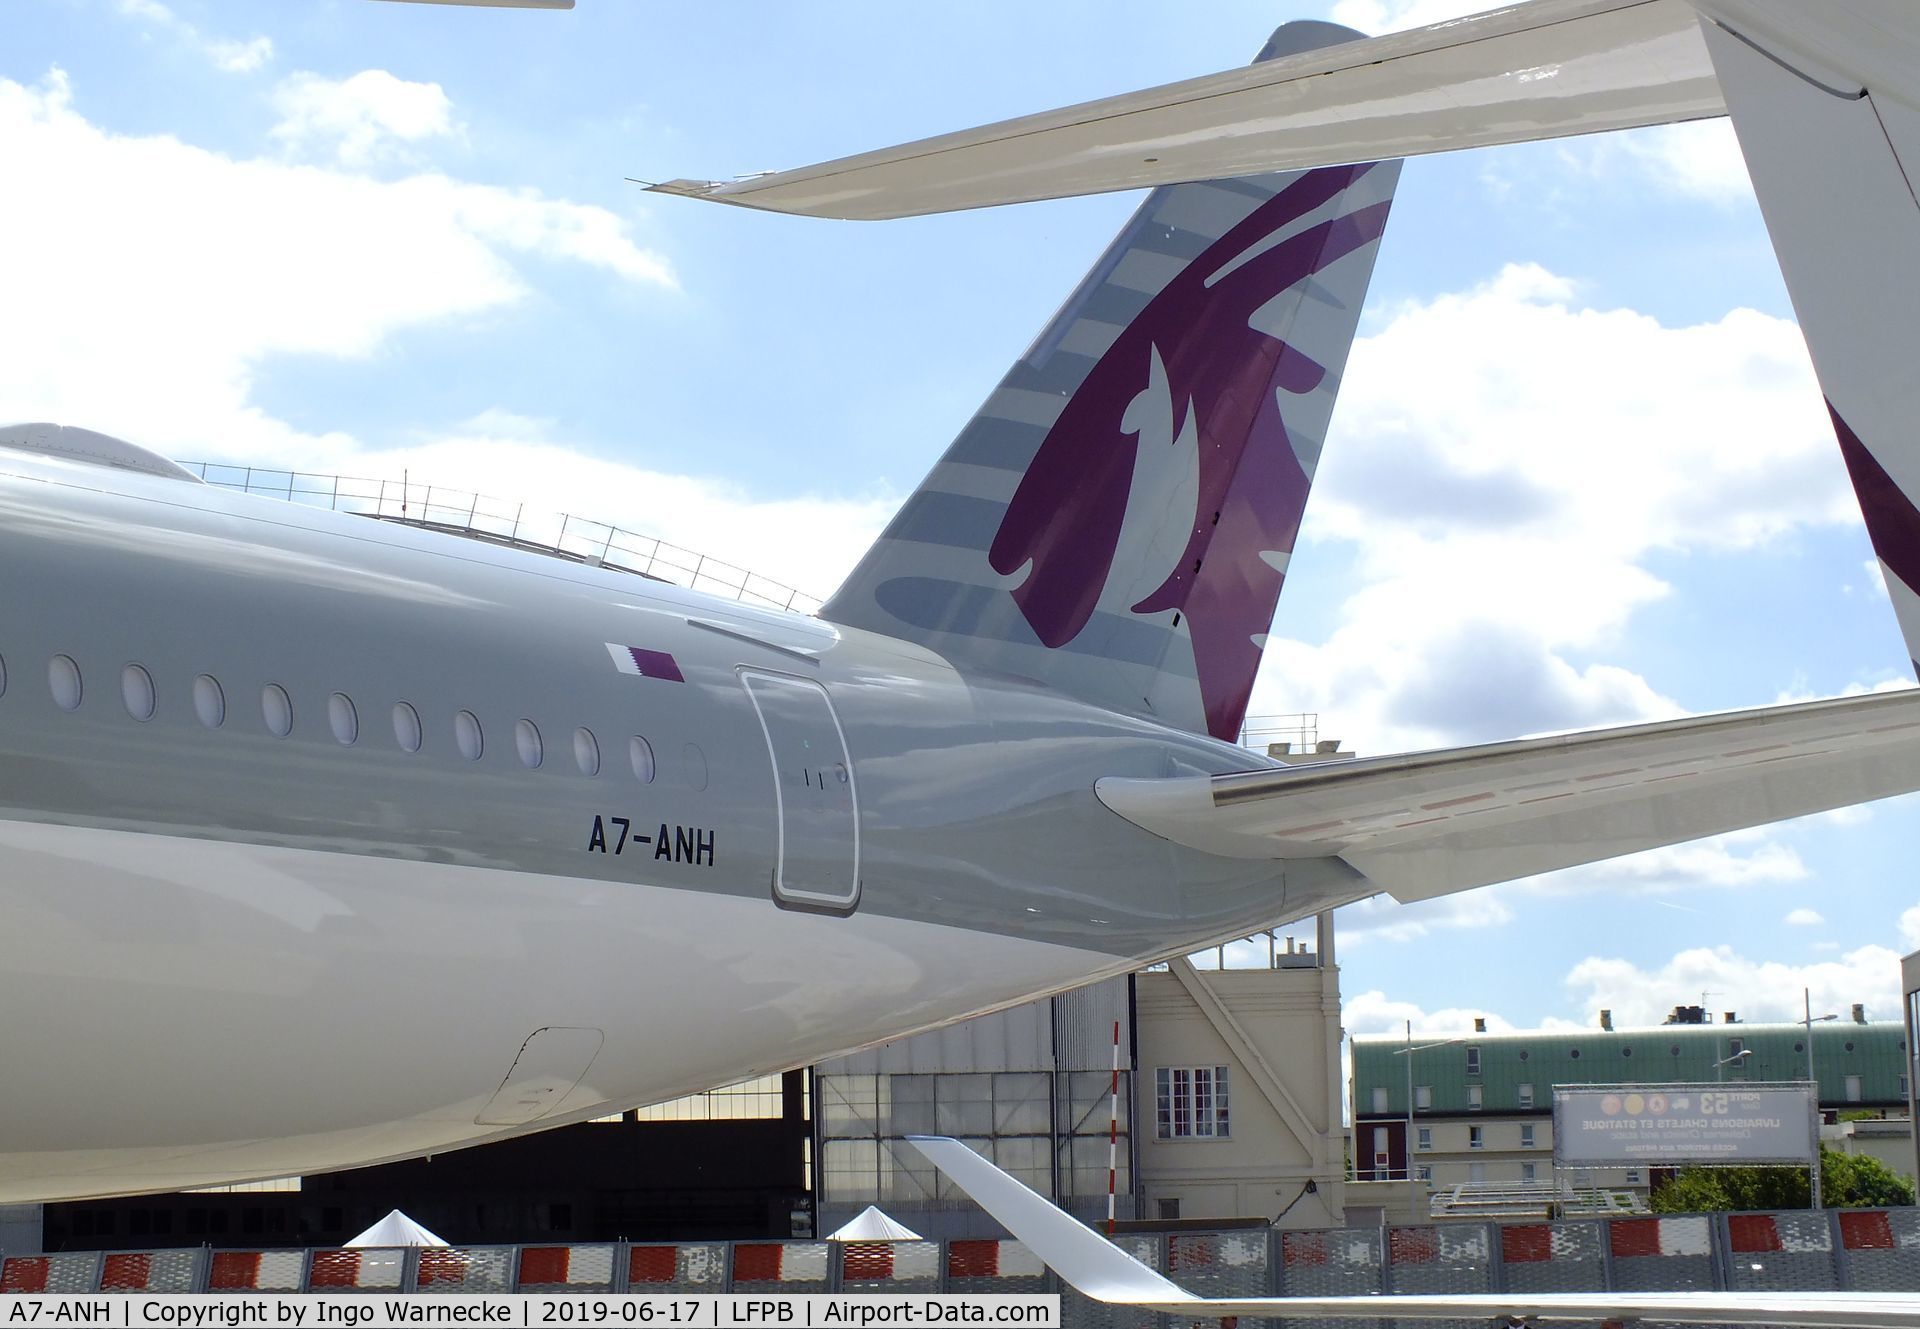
(1673, 1125)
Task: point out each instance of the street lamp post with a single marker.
(1813, 1089)
(1413, 1201)
(1740, 1056)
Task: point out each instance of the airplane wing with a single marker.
(1098, 1269)
(1540, 70)
(1431, 823)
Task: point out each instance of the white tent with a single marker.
(396, 1229)
(872, 1225)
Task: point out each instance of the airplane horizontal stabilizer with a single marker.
(1096, 1268)
(1523, 72)
(1430, 823)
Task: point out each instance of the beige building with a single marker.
(1238, 1101)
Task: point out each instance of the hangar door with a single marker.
(817, 864)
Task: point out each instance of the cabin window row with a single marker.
(141, 699)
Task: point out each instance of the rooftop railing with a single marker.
(513, 525)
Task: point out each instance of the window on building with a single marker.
(1853, 1089)
(1379, 1099)
(1423, 1096)
(1424, 1140)
(1473, 1061)
(1424, 1172)
(1477, 1174)
(1475, 1098)
(1633, 1176)
(1476, 1137)
(1735, 1047)
(1191, 1102)
(1169, 1208)
(1526, 1172)
(1526, 1135)
(1526, 1095)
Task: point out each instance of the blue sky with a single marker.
(1579, 474)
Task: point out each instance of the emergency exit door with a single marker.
(817, 863)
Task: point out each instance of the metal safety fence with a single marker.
(512, 524)
(1867, 1250)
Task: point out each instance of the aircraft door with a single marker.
(817, 864)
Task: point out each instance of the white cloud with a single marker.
(370, 117)
(803, 541)
(238, 57)
(1374, 1012)
(1505, 462)
(255, 259)
(1382, 918)
(1377, 16)
(1737, 859)
(1804, 918)
(234, 57)
(1759, 990)
(250, 259)
(1697, 160)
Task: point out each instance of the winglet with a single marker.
(1086, 1260)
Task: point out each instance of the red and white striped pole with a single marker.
(1113, 1127)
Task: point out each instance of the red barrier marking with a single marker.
(1865, 1230)
(1632, 1238)
(335, 1269)
(1753, 1232)
(1191, 1253)
(442, 1266)
(1413, 1245)
(1303, 1248)
(24, 1274)
(866, 1259)
(126, 1273)
(544, 1264)
(756, 1264)
(1526, 1245)
(653, 1264)
(234, 1270)
(973, 1259)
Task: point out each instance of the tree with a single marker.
(1847, 1181)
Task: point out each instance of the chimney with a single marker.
(1606, 1020)
(1480, 1022)
(1731, 1017)
(1859, 1013)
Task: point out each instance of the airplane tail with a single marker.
(1116, 520)
(1824, 101)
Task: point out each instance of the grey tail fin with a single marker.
(1116, 520)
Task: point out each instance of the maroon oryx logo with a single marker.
(1066, 515)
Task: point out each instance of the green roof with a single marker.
(1660, 1055)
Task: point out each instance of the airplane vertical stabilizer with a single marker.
(1826, 102)
(1116, 520)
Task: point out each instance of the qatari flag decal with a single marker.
(643, 663)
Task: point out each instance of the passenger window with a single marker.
(640, 753)
(276, 708)
(63, 680)
(406, 727)
(466, 734)
(586, 751)
(136, 690)
(209, 702)
(342, 718)
(526, 740)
